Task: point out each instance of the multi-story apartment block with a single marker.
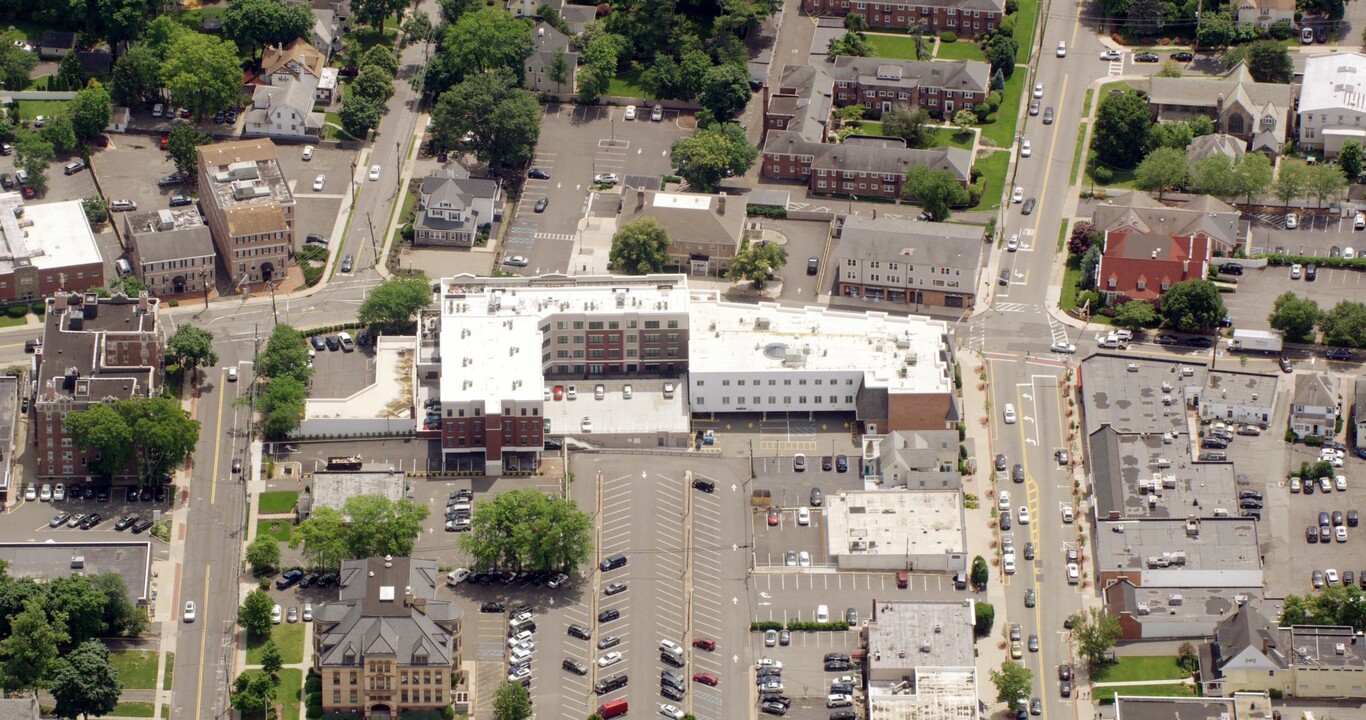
(967, 18)
(172, 250)
(940, 88)
(493, 343)
(46, 248)
(387, 645)
(93, 350)
(918, 264)
(249, 206)
(864, 167)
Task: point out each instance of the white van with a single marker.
(822, 613)
(124, 267)
(457, 576)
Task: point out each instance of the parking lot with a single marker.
(29, 520)
(783, 545)
(1258, 289)
(804, 239)
(1304, 511)
(578, 142)
(339, 374)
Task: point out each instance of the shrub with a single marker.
(761, 626)
(313, 684)
(1282, 29)
(809, 626)
(1102, 174)
(768, 211)
(16, 311)
(39, 308)
(948, 36)
(1012, 6)
(407, 232)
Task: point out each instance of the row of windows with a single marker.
(261, 237)
(923, 10)
(787, 400)
(893, 266)
(611, 325)
(773, 382)
(426, 696)
(258, 251)
(862, 186)
(478, 441)
(848, 175)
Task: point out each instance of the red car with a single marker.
(559, 392)
(29, 193)
(164, 140)
(706, 679)
(705, 644)
(774, 516)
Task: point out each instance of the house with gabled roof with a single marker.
(867, 167)
(1314, 408)
(938, 87)
(1205, 215)
(549, 44)
(1264, 13)
(453, 209)
(1256, 112)
(292, 62)
(1136, 265)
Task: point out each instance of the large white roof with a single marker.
(48, 235)
(1334, 82)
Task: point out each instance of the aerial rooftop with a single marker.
(906, 635)
(894, 522)
(46, 235)
(1153, 476)
(1215, 552)
(1139, 395)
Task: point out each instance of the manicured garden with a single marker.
(276, 502)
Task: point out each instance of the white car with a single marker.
(276, 615)
(59, 492)
(1349, 252)
(1360, 221)
(318, 182)
(1038, 90)
(822, 614)
(1018, 195)
(627, 391)
(1073, 574)
(308, 152)
(232, 374)
(762, 663)
(1067, 515)
(803, 516)
(189, 611)
(670, 646)
(1026, 149)
(519, 674)
(1009, 414)
(1023, 513)
(520, 654)
(1003, 502)
(1013, 243)
(308, 612)
(1340, 482)
(657, 113)
(630, 112)
(1008, 563)
(1062, 48)
(31, 492)
(671, 711)
(586, 425)
(1111, 55)
(46, 493)
(1066, 348)
(1341, 533)
(374, 172)
(1296, 271)
(1291, 222)
(1331, 576)
(611, 658)
(518, 639)
(526, 645)
(804, 559)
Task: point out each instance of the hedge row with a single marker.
(799, 626)
(1357, 263)
(768, 211)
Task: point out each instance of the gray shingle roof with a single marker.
(1237, 87)
(375, 616)
(1314, 390)
(939, 244)
(867, 158)
(967, 75)
(1142, 212)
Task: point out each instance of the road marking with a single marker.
(217, 446)
(203, 639)
(1052, 148)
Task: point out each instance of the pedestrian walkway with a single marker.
(1132, 683)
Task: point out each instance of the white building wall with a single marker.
(795, 390)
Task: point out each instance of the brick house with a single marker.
(864, 167)
(938, 87)
(1141, 266)
(967, 18)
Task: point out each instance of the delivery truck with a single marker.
(1264, 341)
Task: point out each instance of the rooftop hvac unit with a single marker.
(1143, 608)
(1175, 599)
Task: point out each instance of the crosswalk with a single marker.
(554, 236)
(1116, 67)
(1016, 307)
(1057, 330)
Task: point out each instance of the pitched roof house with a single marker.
(1257, 112)
(452, 209)
(705, 231)
(1205, 215)
(1314, 409)
(292, 62)
(549, 44)
(1141, 266)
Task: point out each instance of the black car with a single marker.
(1231, 269)
(1199, 342)
(1214, 443)
(317, 342)
(1146, 57)
(1250, 495)
(1320, 35)
(91, 521)
(542, 203)
(308, 580)
(671, 692)
(1030, 598)
(1064, 672)
(1005, 521)
(1183, 56)
(315, 239)
(1065, 688)
(1338, 354)
(841, 463)
(1017, 473)
(491, 607)
(1167, 340)
(773, 708)
(327, 580)
(1250, 505)
(1048, 116)
(812, 265)
(842, 715)
(289, 579)
(608, 615)
(538, 174)
(333, 342)
(1029, 551)
(1311, 272)
(1000, 462)
(7, 181)
(1338, 518)
(827, 462)
(1353, 519)
(348, 264)
(574, 666)
(616, 682)
(1028, 207)
(141, 526)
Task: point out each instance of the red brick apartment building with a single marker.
(967, 18)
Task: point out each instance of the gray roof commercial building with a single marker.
(1142, 476)
(926, 264)
(172, 250)
(1154, 613)
(1242, 706)
(1238, 397)
(131, 561)
(331, 489)
(921, 661)
(1180, 552)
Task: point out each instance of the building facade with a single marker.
(967, 18)
(93, 350)
(705, 231)
(1257, 113)
(1331, 108)
(940, 88)
(387, 645)
(46, 248)
(916, 264)
(1141, 266)
(172, 250)
(868, 167)
(249, 207)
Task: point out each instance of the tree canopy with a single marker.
(182, 145)
(712, 154)
(1193, 306)
(528, 530)
(640, 247)
(486, 40)
(155, 432)
(1120, 118)
(1333, 605)
(937, 190)
(263, 554)
(202, 73)
(29, 657)
(191, 347)
(1163, 169)
(254, 615)
(1269, 62)
(1014, 683)
(285, 354)
(725, 91)
(758, 263)
(503, 119)
(393, 305)
(256, 24)
(86, 682)
(1295, 316)
(374, 525)
(1095, 632)
(511, 702)
(1344, 325)
(90, 111)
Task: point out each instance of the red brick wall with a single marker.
(886, 16)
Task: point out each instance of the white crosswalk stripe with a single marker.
(1116, 67)
(1011, 307)
(554, 236)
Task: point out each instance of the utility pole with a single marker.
(204, 280)
(373, 245)
(398, 150)
(274, 311)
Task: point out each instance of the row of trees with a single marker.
(283, 370)
(1342, 326)
(365, 526)
(151, 435)
(1332, 605)
(366, 96)
(66, 130)
(527, 530)
(1094, 632)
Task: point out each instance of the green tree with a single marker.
(86, 683)
(271, 659)
(964, 120)
(282, 406)
(1253, 175)
(853, 44)
(1291, 181)
(453, 10)
(511, 702)
(936, 190)
(1013, 683)
(1295, 316)
(1269, 62)
(1120, 118)
(69, 75)
(1000, 52)
(1193, 306)
(359, 115)
(136, 77)
(1090, 260)
(254, 615)
(182, 148)
(395, 302)
(1216, 31)
(758, 263)
(599, 65)
(60, 132)
(96, 209)
(102, 427)
(16, 64)
(1095, 633)
(374, 82)
(1163, 169)
(285, 354)
(1325, 182)
(252, 692)
(82, 603)
(1344, 325)
(164, 433)
(1350, 159)
(418, 28)
(373, 12)
(528, 530)
(558, 70)
(985, 617)
(640, 248)
(256, 24)
(264, 554)
(1172, 135)
(1214, 175)
(191, 348)
(711, 154)
(323, 539)
(34, 153)
(910, 125)
(380, 526)
(1083, 236)
(202, 73)
(725, 91)
(121, 616)
(90, 111)
(980, 572)
(161, 33)
(1136, 314)
(29, 657)
(485, 40)
(118, 21)
(505, 120)
(1170, 69)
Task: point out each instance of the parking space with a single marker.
(623, 407)
(790, 544)
(1340, 548)
(802, 240)
(31, 520)
(1258, 289)
(129, 170)
(315, 212)
(578, 142)
(774, 441)
(337, 373)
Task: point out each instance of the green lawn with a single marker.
(897, 47)
(1086, 104)
(7, 321)
(19, 30)
(1109, 87)
(1123, 179)
(1068, 300)
(170, 671)
(137, 668)
(1107, 694)
(1062, 236)
(280, 531)
(134, 709)
(993, 166)
(29, 109)
(194, 19)
(869, 127)
(627, 84)
(362, 39)
(290, 638)
(1077, 154)
(1131, 668)
(1025, 19)
(280, 501)
(950, 137)
(961, 50)
(291, 687)
(1000, 129)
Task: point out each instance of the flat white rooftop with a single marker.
(894, 522)
(683, 201)
(935, 694)
(896, 353)
(48, 235)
